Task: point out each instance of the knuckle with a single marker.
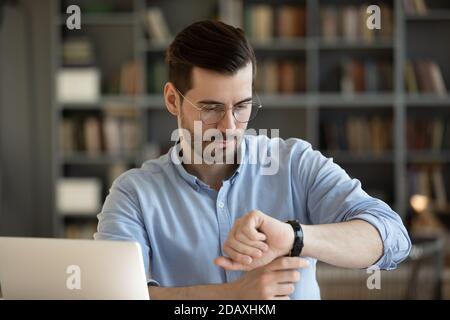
(284, 263)
(291, 288)
(295, 276)
(240, 237)
(253, 213)
(265, 293)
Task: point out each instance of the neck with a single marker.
(211, 174)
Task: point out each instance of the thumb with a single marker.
(229, 264)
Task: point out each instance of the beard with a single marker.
(208, 147)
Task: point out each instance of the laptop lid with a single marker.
(43, 268)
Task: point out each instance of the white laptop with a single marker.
(41, 268)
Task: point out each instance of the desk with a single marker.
(424, 248)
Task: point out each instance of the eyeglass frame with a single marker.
(200, 109)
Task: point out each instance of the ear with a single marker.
(171, 99)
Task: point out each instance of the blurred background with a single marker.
(80, 106)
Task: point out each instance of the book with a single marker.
(415, 7)
(286, 71)
(387, 22)
(437, 81)
(131, 78)
(329, 17)
(291, 21)
(440, 192)
(262, 22)
(78, 85)
(410, 78)
(425, 76)
(67, 137)
(157, 76)
(93, 136)
(114, 171)
(78, 196)
(350, 20)
(157, 27)
(80, 230)
(367, 35)
(78, 52)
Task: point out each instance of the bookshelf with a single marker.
(324, 89)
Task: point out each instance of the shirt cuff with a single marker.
(386, 261)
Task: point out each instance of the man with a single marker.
(214, 229)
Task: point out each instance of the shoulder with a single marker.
(291, 146)
(150, 173)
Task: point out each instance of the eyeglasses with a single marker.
(212, 113)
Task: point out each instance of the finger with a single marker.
(284, 263)
(229, 264)
(284, 289)
(237, 256)
(290, 276)
(243, 248)
(252, 233)
(256, 244)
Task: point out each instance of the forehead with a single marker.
(211, 84)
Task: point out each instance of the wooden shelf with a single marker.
(94, 19)
(101, 159)
(356, 100)
(427, 100)
(363, 157)
(432, 15)
(358, 45)
(112, 101)
(81, 217)
(282, 44)
(428, 156)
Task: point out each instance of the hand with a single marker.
(274, 281)
(255, 240)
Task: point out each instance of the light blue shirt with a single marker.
(181, 223)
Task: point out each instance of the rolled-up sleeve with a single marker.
(121, 219)
(332, 196)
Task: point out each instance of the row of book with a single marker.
(280, 76)
(80, 230)
(349, 23)
(128, 80)
(428, 134)
(424, 76)
(116, 132)
(429, 181)
(357, 134)
(264, 22)
(78, 52)
(366, 75)
(415, 7)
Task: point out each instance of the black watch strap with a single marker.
(298, 239)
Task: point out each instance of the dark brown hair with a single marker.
(211, 45)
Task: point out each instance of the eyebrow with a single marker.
(218, 102)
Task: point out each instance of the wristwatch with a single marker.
(298, 239)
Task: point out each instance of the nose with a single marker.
(228, 121)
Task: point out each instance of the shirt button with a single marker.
(221, 204)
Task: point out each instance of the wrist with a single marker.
(297, 236)
(290, 237)
(231, 290)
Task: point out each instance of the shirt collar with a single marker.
(176, 160)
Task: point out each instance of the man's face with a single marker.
(227, 90)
